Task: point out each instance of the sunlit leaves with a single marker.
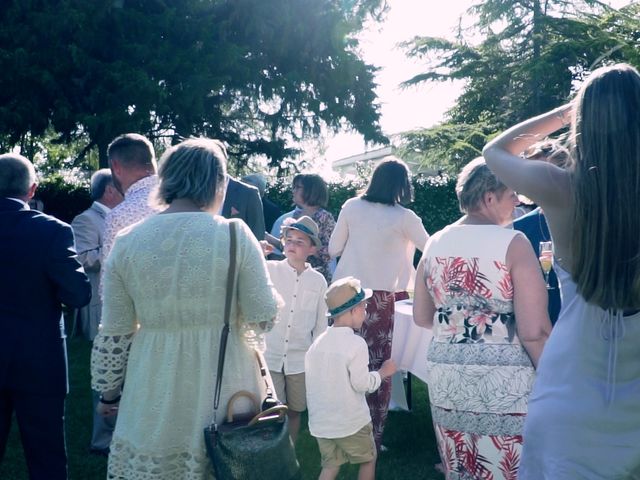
(188, 67)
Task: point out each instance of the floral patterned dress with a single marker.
(479, 374)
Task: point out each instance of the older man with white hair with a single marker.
(88, 228)
(39, 271)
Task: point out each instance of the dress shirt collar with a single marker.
(143, 183)
(307, 266)
(339, 330)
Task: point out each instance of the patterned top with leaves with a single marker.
(471, 307)
(479, 374)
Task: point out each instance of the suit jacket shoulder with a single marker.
(88, 229)
(243, 201)
(534, 226)
(39, 271)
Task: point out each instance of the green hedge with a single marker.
(435, 199)
(435, 202)
(62, 199)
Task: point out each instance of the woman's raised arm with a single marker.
(541, 181)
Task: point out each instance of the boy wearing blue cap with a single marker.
(338, 378)
(300, 321)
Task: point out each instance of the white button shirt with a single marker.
(301, 320)
(134, 208)
(337, 379)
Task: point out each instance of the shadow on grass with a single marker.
(408, 436)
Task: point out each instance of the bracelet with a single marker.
(109, 402)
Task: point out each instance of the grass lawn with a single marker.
(408, 435)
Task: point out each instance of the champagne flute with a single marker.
(546, 260)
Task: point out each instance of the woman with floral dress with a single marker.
(311, 196)
(480, 288)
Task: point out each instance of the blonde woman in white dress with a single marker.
(155, 357)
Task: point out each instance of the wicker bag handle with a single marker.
(236, 396)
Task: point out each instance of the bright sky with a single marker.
(421, 106)
(404, 109)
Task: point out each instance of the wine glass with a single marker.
(546, 260)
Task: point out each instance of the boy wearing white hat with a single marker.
(338, 378)
(301, 320)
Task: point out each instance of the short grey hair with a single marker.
(474, 181)
(17, 175)
(257, 180)
(99, 182)
(195, 169)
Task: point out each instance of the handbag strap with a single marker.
(227, 313)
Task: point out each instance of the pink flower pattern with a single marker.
(377, 331)
(462, 453)
(473, 308)
(467, 308)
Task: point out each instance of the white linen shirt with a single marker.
(337, 379)
(301, 320)
(132, 209)
(376, 243)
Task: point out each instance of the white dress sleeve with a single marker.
(111, 346)
(415, 230)
(257, 305)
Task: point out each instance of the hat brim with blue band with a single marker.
(302, 228)
(359, 297)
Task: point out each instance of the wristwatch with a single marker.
(109, 402)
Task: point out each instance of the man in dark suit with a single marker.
(39, 271)
(243, 201)
(270, 209)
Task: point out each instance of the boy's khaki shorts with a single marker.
(291, 390)
(357, 448)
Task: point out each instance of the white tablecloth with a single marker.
(410, 342)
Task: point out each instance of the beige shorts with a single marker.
(357, 448)
(291, 390)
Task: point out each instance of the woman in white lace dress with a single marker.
(164, 293)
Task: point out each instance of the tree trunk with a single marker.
(102, 155)
(537, 39)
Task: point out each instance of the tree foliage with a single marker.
(446, 147)
(256, 74)
(531, 55)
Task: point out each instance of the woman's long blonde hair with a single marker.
(606, 185)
